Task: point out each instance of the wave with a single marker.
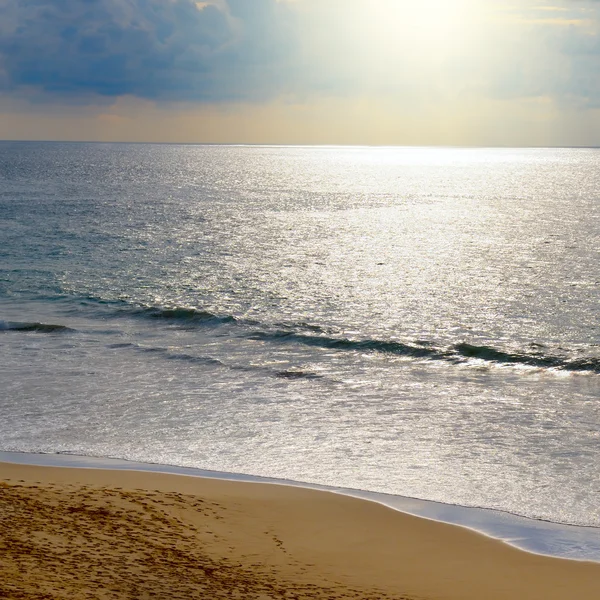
(114, 308)
(183, 315)
(167, 354)
(307, 334)
(188, 316)
(38, 327)
(458, 353)
(533, 360)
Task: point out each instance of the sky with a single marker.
(372, 72)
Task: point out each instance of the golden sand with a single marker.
(87, 533)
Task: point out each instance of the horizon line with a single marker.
(296, 145)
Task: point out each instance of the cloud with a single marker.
(215, 52)
(154, 49)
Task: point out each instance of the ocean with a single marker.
(422, 322)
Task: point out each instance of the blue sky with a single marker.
(474, 72)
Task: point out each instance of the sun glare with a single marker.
(425, 25)
(431, 18)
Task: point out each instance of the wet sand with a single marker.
(88, 533)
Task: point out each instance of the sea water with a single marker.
(422, 322)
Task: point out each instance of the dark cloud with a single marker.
(155, 49)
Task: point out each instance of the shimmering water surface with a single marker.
(420, 322)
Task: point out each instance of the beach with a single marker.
(393, 323)
(92, 533)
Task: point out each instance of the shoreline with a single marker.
(81, 532)
(546, 538)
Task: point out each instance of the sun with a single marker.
(425, 25)
(429, 19)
